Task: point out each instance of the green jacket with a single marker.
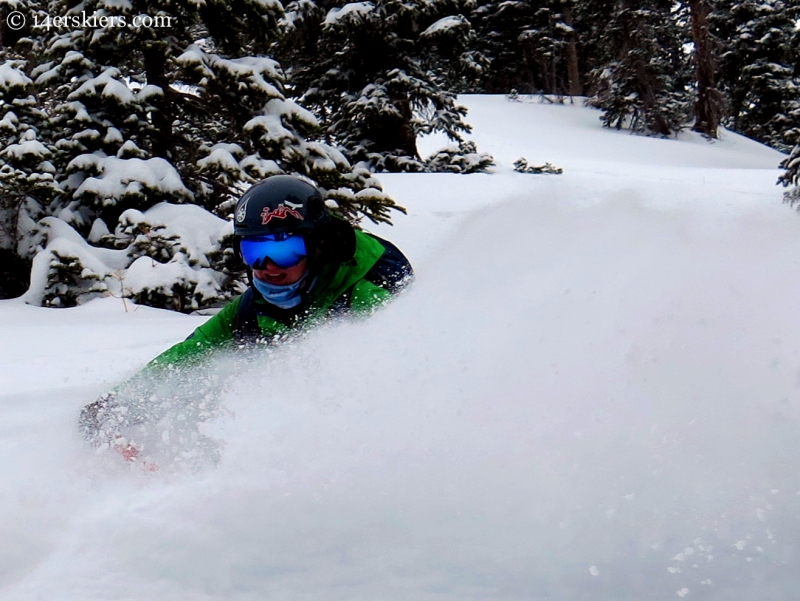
(333, 281)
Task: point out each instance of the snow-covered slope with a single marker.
(570, 136)
(591, 392)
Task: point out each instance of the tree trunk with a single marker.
(155, 71)
(573, 72)
(707, 109)
(392, 133)
(15, 274)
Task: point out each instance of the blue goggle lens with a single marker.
(283, 249)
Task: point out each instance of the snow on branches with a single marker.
(172, 256)
(375, 74)
(791, 177)
(102, 124)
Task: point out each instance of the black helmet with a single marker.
(281, 203)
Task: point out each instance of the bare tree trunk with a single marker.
(156, 73)
(707, 109)
(573, 72)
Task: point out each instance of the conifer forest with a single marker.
(109, 108)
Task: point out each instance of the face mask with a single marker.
(285, 297)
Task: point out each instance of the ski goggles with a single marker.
(283, 249)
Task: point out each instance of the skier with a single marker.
(303, 265)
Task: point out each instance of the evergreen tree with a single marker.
(639, 81)
(531, 46)
(205, 98)
(184, 106)
(26, 172)
(366, 76)
(547, 41)
(567, 27)
(759, 68)
(448, 51)
(791, 177)
(499, 26)
(590, 20)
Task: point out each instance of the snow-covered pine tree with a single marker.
(758, 67)
(791, 177)
(206, 98)
(366, 77)
(499, 24)
(26, 173)
(531, 44)
(185, 107)
(639, 81)
(448, 50)
(590, 20)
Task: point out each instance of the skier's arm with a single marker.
(215, 333)
(366, 297)
(390, 274)
(100, 421)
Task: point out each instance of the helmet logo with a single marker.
(279, 212)
(242, 212)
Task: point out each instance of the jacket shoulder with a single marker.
(392, 271)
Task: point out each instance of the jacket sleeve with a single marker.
(390, 274)
(366, 296)
(215, 333)
(130, 403)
